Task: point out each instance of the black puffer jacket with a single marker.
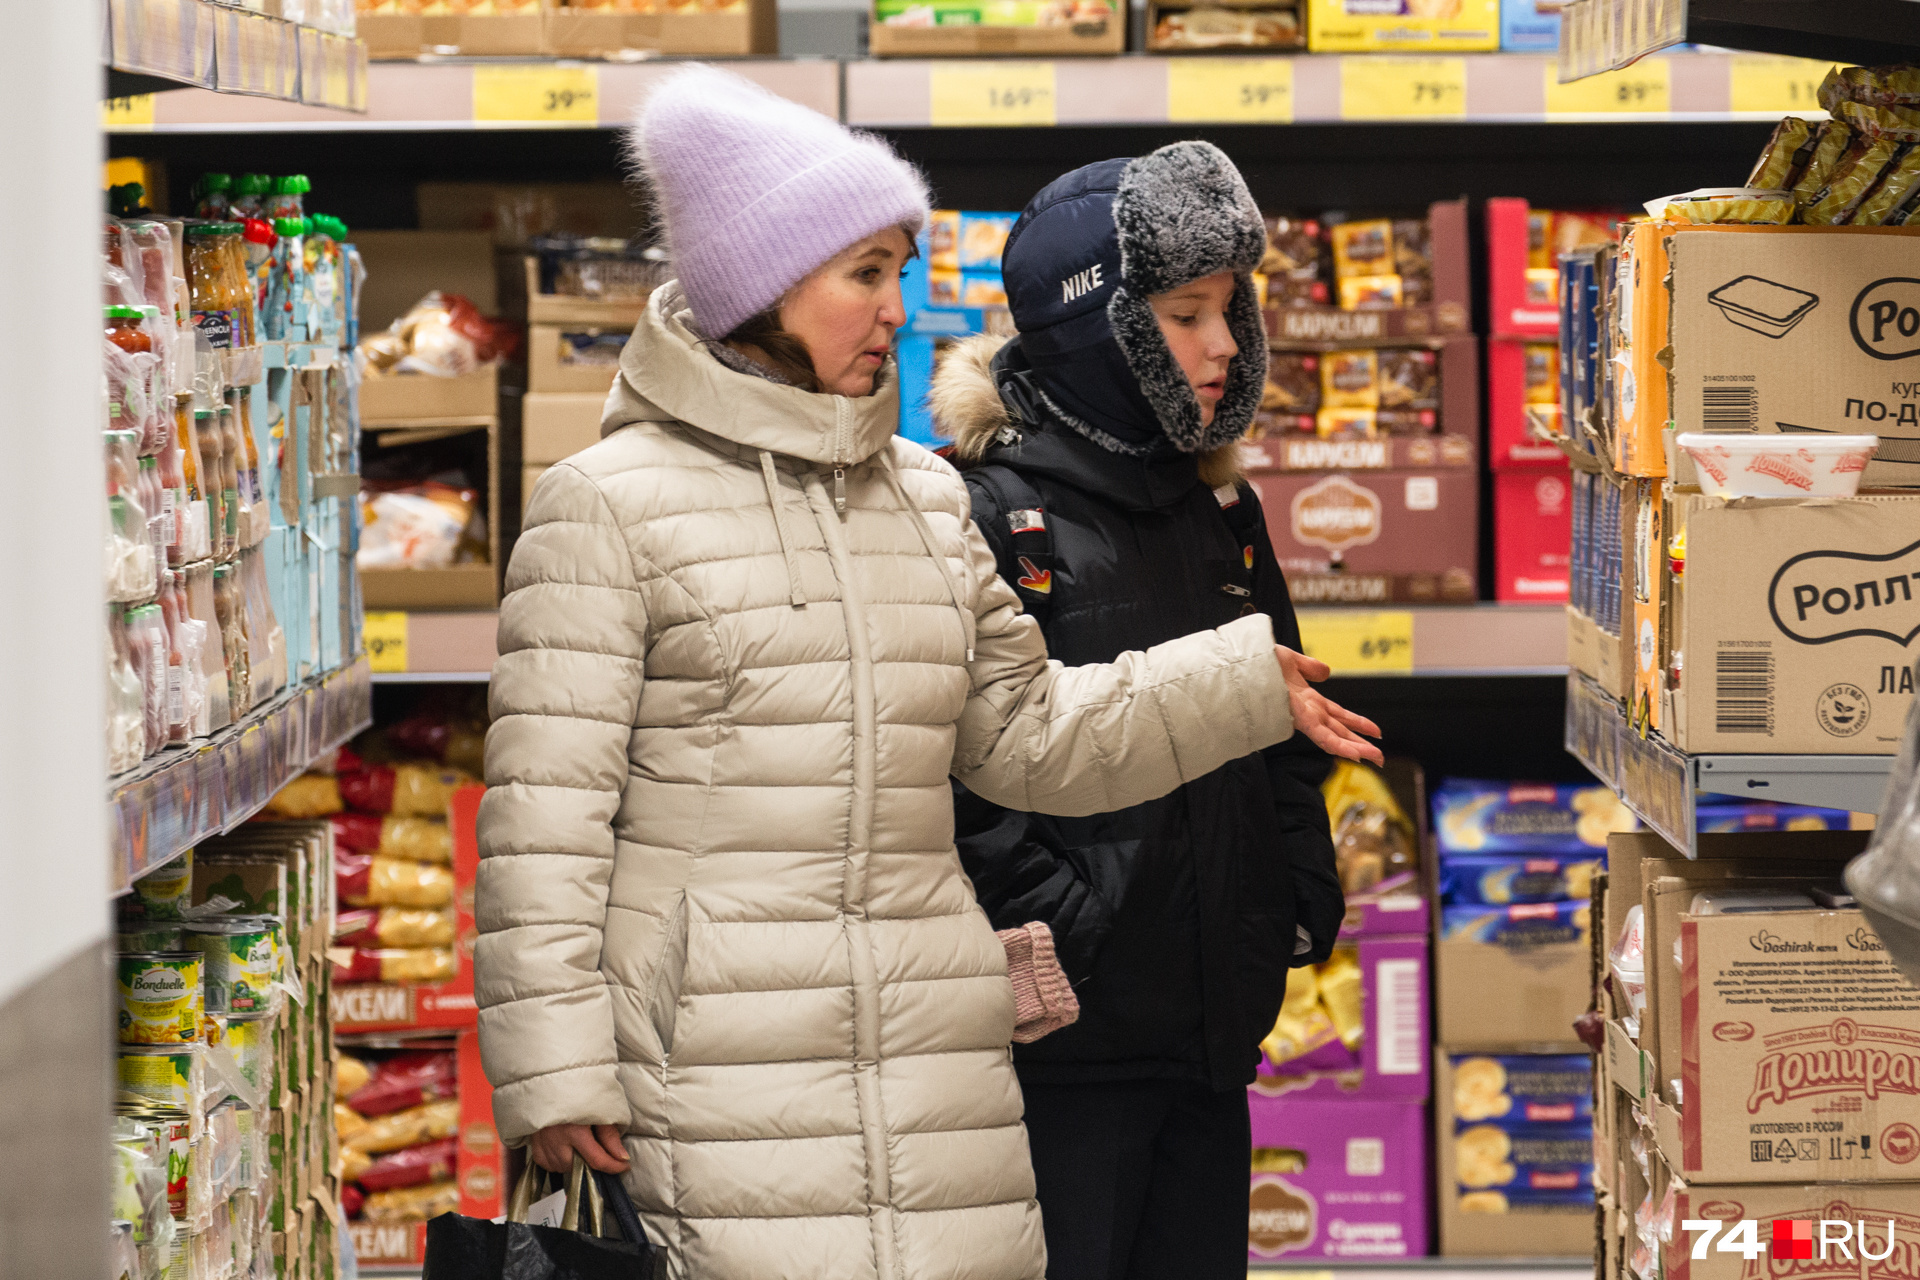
(1176, 920)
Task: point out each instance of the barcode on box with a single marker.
(1729, 408)
(1399, 1039)
(1743, 693)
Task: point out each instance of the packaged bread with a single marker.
(408, 1128)
(362, 880)
(418, 839)
(411, 1204)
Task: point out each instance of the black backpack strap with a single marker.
(1021, 539)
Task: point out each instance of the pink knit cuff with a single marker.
(1043, 999)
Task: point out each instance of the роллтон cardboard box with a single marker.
(1376, 536)
(1794, 620)
(1336, 1178)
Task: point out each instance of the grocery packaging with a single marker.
(1509, 1189)
(1374, 536)
(1401, 26)
(1525, 817)
(1733, 466)
(1336, 1179)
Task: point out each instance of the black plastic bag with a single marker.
(476, 1249)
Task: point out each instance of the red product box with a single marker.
(1515, 309)
(1532, 534)
(479, 1167)
(1509, 444)
(385, 1006)
(1389, 933)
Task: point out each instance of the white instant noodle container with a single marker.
(1801, 465)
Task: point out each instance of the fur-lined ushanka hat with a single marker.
(1083, 260)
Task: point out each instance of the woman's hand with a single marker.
(1329, 724)
(600, 1144)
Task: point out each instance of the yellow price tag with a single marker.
(1646, 87)
(386, 641)
(1402, 88)
(558, 96)
(1777, 85)
(1230, 89)
(1359, 642)
(127, 113)
(991, 93)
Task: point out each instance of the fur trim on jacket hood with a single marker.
(967, 409)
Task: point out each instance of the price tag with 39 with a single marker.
(991, 93)
(556, 96)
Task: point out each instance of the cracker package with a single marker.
(1408, 377)
(1526, 817)
(1829, 143)
(1522, 1089)
(1518, 927)
(1363, 248)
(1859, 170)
(1293, 383)
(1349, 380)
(1503, 879)
(1782, 159)
(1543, 1164)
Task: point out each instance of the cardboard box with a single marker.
(1374, 536)
(1369, 26)
(557, 425)
(1637, 329)
(1532, 535)
(1388, 936)
(380, 1006)
(1530, 1232)
(1099, 36)
(1298, 451)
(413, 399)
(573, 358)
(404, 266)
(1514, 310)
(1336, 1179)
(1278, 13)
(1530, 26)
(408, 36)
(567, 309)
(1792, 620)
(1540, 968)
(512, 213)
(529, 476)
(750, 29)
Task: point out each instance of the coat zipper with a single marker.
(842, 411)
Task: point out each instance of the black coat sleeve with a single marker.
(1295, 770)
(1017, 878)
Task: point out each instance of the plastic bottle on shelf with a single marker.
(233, 642)
(178, 725)
(213, 196)
(289, 197)
(253, 490)
(126, 374)
(151, 500)
(149, 668)
(194, 542)
(126, 709)
(213, 317)
(230, 460)
(250, 196)
(257, 237)
(288, 280)
(206, 434)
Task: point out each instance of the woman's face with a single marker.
(846, 312)
(1193, 319)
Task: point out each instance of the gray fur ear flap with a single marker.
(1165, 384)
(1184, 212)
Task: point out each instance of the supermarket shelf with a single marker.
(185, 794)
(1440, 640)
(217, 49)
(465, 94)
(1599, 34)
(1662, 785)
(433, 648)
(453, 94)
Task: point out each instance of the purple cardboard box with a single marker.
(1336, 1178)
(1393, 1061)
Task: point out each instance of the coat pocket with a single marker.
(661, 1001)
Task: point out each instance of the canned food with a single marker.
(242, 959)
(155, 938)
(160, 999)
(167, 891)
(166, 1077)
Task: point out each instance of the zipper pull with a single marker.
(840, 491)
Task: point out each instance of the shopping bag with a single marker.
(580, 1248)
(1886, 878)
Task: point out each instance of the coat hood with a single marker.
(667, 374)
(968, 408)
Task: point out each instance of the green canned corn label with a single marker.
(160, 999)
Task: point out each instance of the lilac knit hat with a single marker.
(755, 191)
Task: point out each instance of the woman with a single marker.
(1100, 447)
(725, 945)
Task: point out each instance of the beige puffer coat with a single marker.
(719, 902)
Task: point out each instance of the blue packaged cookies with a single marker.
(1522, 1089)
(1499, 880)
(1525, 925)
(1526, 817)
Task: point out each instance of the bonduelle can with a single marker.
(160, 997)
(242, 959)
(167, 890)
